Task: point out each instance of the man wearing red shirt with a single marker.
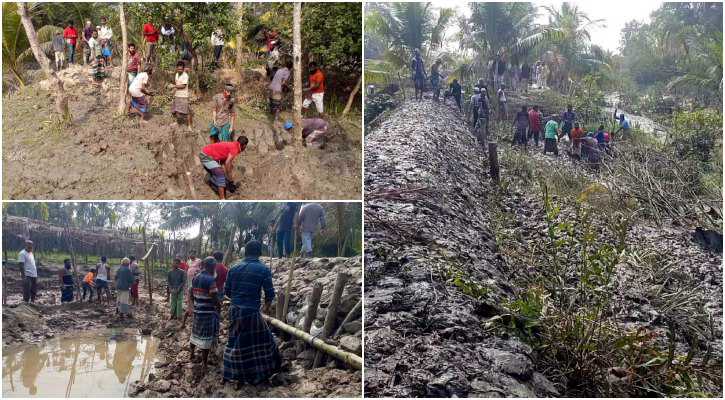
(152, 37)
(576, 139)
(316, 90)
(221, 273)
(70, 34)
(535, 124)
(216, 158)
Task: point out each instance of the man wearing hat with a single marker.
(223, 114)
(28, 272)
(313, 131)
(58, 47)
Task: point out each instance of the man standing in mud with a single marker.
(104, 271)
(206, 309)
(124, 280)
(310, 216)
(138, 91)
(176, 284)
(217, 159)
(220, 273)
(193, 266)
(251, 354)
(180, 105)
(417, 69)
(223, 115)
(136, 281)
(28, 272)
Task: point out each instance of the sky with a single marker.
(615, 14)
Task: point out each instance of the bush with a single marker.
(376, 105)
(698, 135)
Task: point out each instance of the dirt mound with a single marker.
(427, 223)
(103, 157)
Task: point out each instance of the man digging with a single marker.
(217, 158)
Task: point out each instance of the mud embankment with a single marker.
(424, 337)
(174, 375)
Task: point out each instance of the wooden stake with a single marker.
(312, 304)
(354, 314)
(280, 307)
(291, 270)
(348, 358)
(331, 313)
(493, 161)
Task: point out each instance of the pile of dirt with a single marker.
(116, 158)
(427, 222)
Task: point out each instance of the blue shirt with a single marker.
(569, 117)
(124, 278)
(245, 282)
(600, 137)
(203, 287)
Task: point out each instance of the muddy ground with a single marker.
(174, 375)
(100, 156)
(433, 237)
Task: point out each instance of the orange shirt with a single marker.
(318, 77)
(576, 136)
(88, 278)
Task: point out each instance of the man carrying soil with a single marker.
(180, 105)
(205, 328)
(251, 354)
(124, 280)
(138, 92)
(310, 216)
(66, 282)
(223, 116)
(28, 272)
(175, 284)
(316, 91)
(313, 131)
(217, 159)
(277, 88)
(102, 280)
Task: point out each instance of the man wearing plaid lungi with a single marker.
(251, 354)
(205, 329)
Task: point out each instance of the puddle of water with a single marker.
(100, 363)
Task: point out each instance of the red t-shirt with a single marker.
(70, 33)
(221, 276)
(576, 136)
(318, 77)
(534, 120)
(219, 151)
(153, 34)
(606, 137)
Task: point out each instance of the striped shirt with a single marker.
(245, 282)
(204, 287)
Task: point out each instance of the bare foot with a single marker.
(174, 124)
(189, 128)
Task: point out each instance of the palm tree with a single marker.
(16, 47)
(703, 72)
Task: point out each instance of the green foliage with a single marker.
(698, 135)
(456, 276)
(332, 33)
(376, 105)
(16, 48)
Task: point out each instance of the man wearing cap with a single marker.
(313, 131)
(223, 116)
(28, 272)
(216, 158)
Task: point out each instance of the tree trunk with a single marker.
(331, 315)
(201, 236)
(297, 53)
(230, 247)
(352, 96)
(123, 85)
(240, 23)
(341, 229)
(61, 98)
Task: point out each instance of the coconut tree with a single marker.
(61, 99)
(124, 63)
(16, 47)
(297, 66)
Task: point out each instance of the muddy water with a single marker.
(643, 123)
(100, 363)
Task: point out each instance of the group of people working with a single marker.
(306, 219)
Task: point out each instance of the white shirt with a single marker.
(273, 57)
(501, 95)
(135, 88)
(216, 39)
(105, 33)
(182, 79)
(103, 272)
(28, 261)
(167, 32)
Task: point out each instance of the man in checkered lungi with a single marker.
(205, 330)
(251, 354)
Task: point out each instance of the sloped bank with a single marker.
(427, 223)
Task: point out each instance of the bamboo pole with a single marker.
(312, 304)
(348, 358)
(331, 313)
(291, 270)
(354, 314)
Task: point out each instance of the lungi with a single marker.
(205, 332)
(180, 105)
(66, 291)
(550, 146)
(177, 299)
(221, 132)
(215, 170)
(275, 101)
(140, 104)
(98, 68)
(122, 301)
(134, 288)
(251, 353)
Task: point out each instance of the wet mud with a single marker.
(103, 157)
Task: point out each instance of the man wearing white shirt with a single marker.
(105, 34)
(218, 42)
(28, 272)
(167, 36)
(180, 104)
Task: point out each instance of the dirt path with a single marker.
(434, 241)
(102, 157)
(173, 375)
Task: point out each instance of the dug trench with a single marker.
(449, 260)
(48, 330)
(101, 156)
